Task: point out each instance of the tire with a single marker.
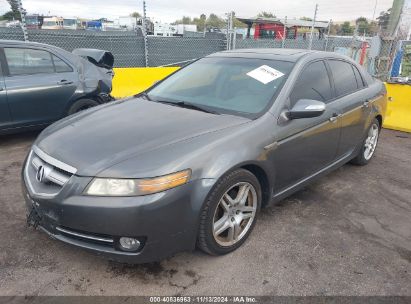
(82, 104)
(238, 216)
(370, 142)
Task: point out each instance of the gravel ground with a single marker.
(347, 234)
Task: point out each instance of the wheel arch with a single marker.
(263, 179)
(379, 118)
(259, 172)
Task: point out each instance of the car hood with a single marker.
(101, 137)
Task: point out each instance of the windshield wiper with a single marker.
(143, 94)
(186, 105)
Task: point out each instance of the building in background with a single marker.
(70, 23)
(127, 23)
(94, 25)
(164, 29)
(34, 22)
(276, 28)
(53, 23)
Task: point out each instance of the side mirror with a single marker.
(306, 108)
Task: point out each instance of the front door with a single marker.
(39, 85)
(305, 146)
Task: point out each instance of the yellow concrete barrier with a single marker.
(130, 81)
(398, 115)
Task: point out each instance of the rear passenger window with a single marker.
(358, 76)
(344, 78)
(60, 65)
(313, 83)
(28, 61)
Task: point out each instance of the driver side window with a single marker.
(313, 83)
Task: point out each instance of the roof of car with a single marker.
(19, 42)
(291, 55)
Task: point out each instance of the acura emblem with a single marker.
(40, 174)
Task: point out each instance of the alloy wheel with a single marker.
(371, 142)
(234, 214)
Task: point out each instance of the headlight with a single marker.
(136, 187)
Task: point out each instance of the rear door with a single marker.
(5, 118)
(351, 102)
(39, 85)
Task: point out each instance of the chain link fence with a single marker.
(129, 50)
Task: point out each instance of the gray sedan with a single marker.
(41, 83)
(191, 161)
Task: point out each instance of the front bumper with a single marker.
(166, 222)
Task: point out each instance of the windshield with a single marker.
(239, 86)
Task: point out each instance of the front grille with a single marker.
(46, 175)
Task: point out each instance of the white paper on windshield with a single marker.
(265, 74)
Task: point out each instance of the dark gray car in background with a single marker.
(193, 159)
(40, 83)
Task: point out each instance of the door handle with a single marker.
(366, 103)
(334, 117)
(64, 82)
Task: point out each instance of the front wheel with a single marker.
(369, 145)
(82, 104)
(230, 213)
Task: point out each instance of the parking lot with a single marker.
(347, 234)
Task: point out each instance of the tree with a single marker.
(265, 14)
(213, 21)
(383, 19)
(14, 14)
(135, 15)
(362, 25)
(306, 18)
(9, 16)
(346, 28)
(14, 5)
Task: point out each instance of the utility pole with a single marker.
(375, 8)
(312, 28)
(144, 25)
(23, 20)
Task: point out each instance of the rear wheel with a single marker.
(230, 213)
(369, 145)
(82, 104)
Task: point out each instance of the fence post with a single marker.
(145, 34)
(229, 29)
(312, 28)
(23, 20)
(328, 35)
(234, 38)
(284, 32)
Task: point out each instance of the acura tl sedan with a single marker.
(190, 162)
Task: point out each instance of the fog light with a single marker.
(129, 244)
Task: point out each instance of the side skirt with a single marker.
(306, 181)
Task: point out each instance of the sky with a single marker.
(170, 10)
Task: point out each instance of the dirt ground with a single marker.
(347, 234)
